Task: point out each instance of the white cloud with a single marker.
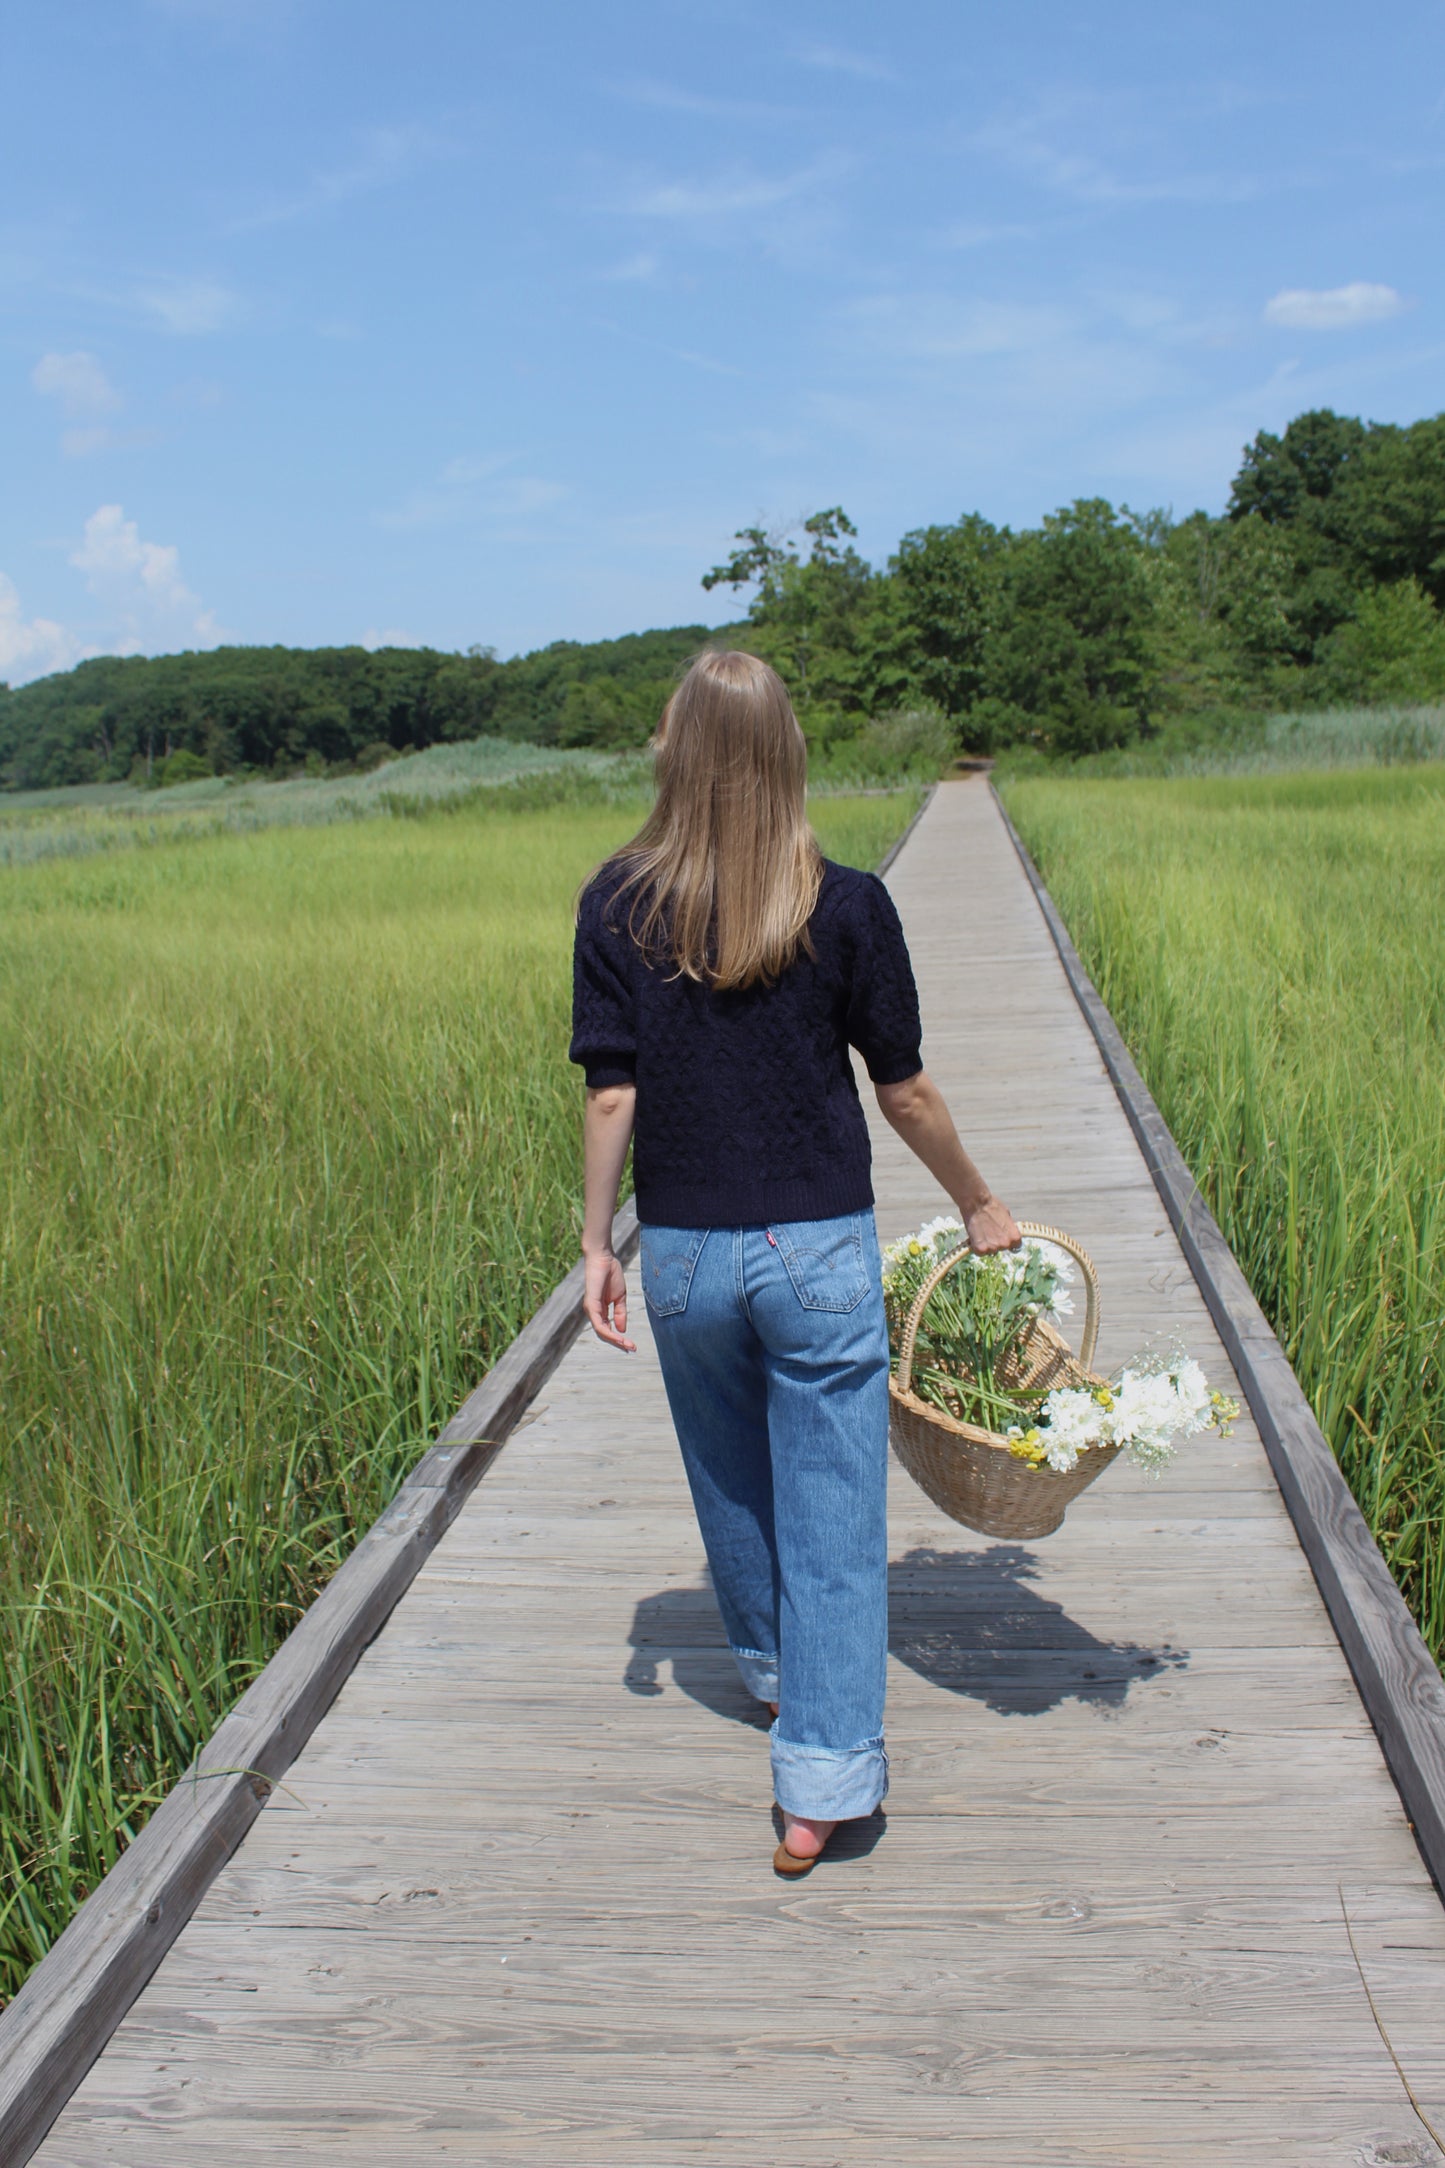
(79, 443)
(141, 585)
(31, 647)
(937, 327)
(472, 490)
(669, 98)
(391, 636)
(842, 60)
(687, 354)
(724, 196)
(1336, 308)
(638, 270)
(78, 382)
(978, 233)
(386, 155)
(189, 308)
(1023, 143)
(84, 392)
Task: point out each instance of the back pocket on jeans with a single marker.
(668, 1256)
(825, 1261)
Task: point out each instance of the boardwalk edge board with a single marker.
(71, 2003)
(888, 856)
(1398, 1679)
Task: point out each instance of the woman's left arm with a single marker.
(607, 1132)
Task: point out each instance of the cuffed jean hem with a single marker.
(760, 1673)
(829, 1784)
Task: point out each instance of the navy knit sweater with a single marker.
(747, 1109)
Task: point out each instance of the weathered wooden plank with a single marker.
(65, 2012)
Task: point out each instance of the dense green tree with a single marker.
(948, 583)
(1391, 648)
(813, 618)
(1221, 622)
(1280, 477)
(1359, 504)
(1072, 666)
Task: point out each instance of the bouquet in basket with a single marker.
(980, 1356)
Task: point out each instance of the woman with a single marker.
(723, 968)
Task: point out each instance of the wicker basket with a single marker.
(970, 1472)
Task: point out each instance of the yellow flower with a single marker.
(1105, 1398)
(915, 1249)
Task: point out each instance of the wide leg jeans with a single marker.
(774, 1353)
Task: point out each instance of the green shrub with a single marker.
(374, 755)
(182, 767)
(910, 743)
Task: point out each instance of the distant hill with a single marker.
(277, 709)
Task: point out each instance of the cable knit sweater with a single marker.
(747, 1108)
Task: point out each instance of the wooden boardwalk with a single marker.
(514, 1902)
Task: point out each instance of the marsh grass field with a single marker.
(289, 1149)
(1272, 947)
(95, 817)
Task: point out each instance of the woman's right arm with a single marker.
(607, 1132)
(916, 1109)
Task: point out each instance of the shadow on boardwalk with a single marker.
(968, 1622)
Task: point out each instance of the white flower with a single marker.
(1061, 1265)
(1070, 1421)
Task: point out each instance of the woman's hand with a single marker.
(605, 1300)
(991, 1226)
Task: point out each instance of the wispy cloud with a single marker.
(939, 327)
(140, 584)
(672, 98)
(724, 195)
(186, 307)
(687, 354)
(475, 490)
(389, 636)
(997, 391)
(1335, 308)
(77, 381)
(974, 233)
(638, 270)
(84, 393)
(386, 155)
(844, 60)
(1024, 143)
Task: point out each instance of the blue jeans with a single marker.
(774, 1353)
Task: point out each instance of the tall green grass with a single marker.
(288, 1151)
(1260, 744)
(1273, 950)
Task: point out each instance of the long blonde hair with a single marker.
(725, 871)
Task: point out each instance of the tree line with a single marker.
(1323, 582)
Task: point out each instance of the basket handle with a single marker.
(1040, 1233)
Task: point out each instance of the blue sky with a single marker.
(326, 320)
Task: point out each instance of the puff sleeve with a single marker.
(883, 1019)
(604, 1003)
